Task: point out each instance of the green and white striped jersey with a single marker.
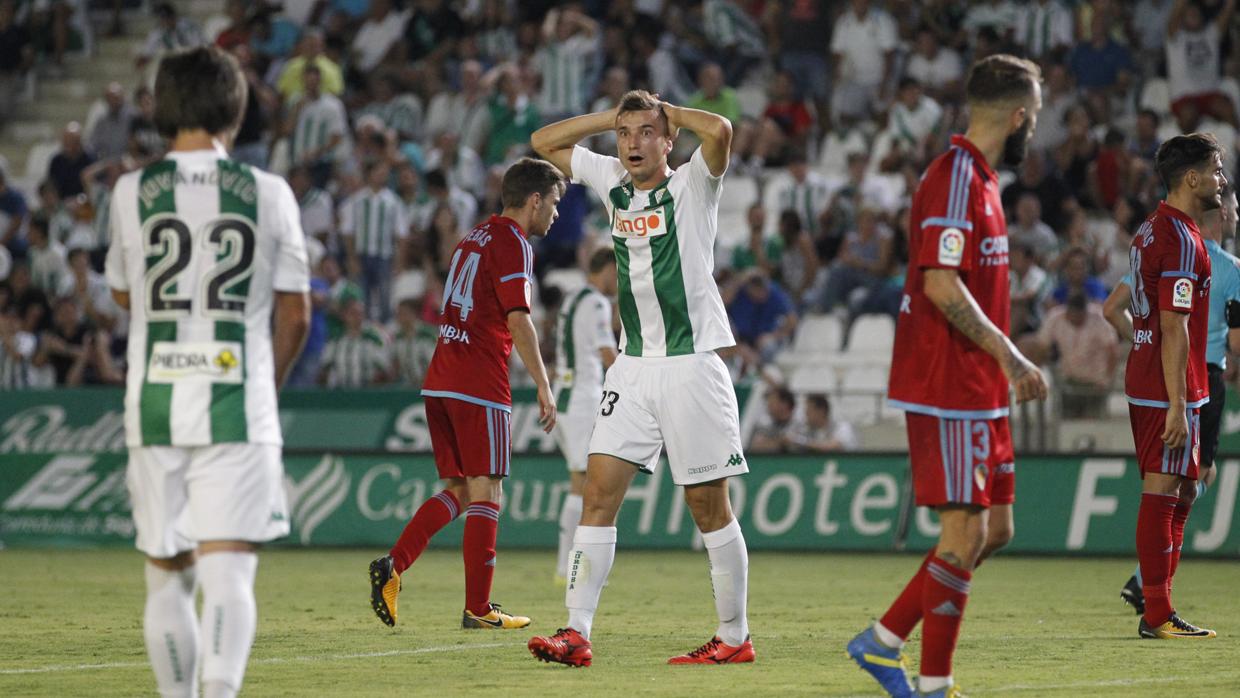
(583, 327)
(565, 67)
(353, 360)
(665, 255)
(316, 123)
(412, 352)
(201, 244)
(809, 198)
(375, 220)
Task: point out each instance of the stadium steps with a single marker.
(67, 97)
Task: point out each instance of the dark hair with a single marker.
(311, 67)
(526, 177)
(819, 400)
(784, 395)
(640, 100)
(201, 88)
(1002, 78)
(1183, 153)
(38, 222)
(410, 304)
(435, 179)
(601, 259)
(908, 81)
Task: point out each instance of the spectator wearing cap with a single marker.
(1083, 348)
(318, 128)
(818, 431)
(863, 46)
(171, 33)
(763, 316)
(773, 431)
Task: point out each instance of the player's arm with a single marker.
(288, 336)
(525, 339)
(713, 130)
(1115, 310)
(947, 291)
(554, 142)
(608, 356)
(1174, 328)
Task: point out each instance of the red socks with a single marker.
(1154, 551)
(478, 548)
(1178, 519)
(434, 514)
(905, 613)
(945, 591)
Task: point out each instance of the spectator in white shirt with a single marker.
(1193, 57)
(1028, 229)
(1030, 286)
(1042, 26)
(863, 50)
(384, 26)
(818, 432)
(938, 68)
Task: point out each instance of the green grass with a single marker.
(1035, 627)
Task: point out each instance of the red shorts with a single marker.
(961, 461)
(1153, 456)
(469, 440)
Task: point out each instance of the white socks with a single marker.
(570, 516)
(887, 637)
(930, 684)
(229, 618)
(729, 575)
(589, 563)
(171, 630)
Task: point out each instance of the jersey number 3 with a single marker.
(460, 287)
(168, 252)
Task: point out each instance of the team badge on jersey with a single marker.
(639, 224)
(1182, 294)
(951, 247)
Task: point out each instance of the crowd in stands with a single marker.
(393, 121)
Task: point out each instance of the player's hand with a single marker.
(1026, 379)
(1175, 433)
(669, 112)
(546, 409)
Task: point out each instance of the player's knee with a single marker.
(1188, 492)
(998, 537)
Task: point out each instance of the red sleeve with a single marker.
(801, 120)
(943, 211)
(511, 264)
(1177, 268)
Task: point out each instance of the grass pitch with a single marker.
(70, 625)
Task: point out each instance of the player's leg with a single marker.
(431, 517)
(1001, 484)
(155, 477)
(572, 435)
(237, 501)
(570, 516)
(478, 551)
(945, 591)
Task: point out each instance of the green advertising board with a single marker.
(1065, 505)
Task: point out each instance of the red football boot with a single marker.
(716, 652)
(566, 646)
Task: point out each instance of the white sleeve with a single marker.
(292, 270)
(114, 264)
(700, 177)
(346, 217)
(600, 325)
(598, 172)
(846, 435)
(888, 40)
(341, 122)
(402, 224)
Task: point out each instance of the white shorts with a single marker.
(572, 432)
(685, 403)
(183, 496)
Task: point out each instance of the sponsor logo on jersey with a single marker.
(1182, 294)
(1140, 337)
(639, 224)
(449, 334)
(219, 362)
(951, 247)
(994, 252)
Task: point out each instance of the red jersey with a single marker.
(956, 222)
(490, 276)
(1170, 271)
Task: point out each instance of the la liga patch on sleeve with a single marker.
(1182, 294)
(951, 247)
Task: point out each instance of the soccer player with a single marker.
(1166, 381)
(950, 372)
(668, 387)
(205, 251)
(1222, 334)
(485, 313)
(585, 349)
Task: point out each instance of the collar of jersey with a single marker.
(652, 198)
(1169, 210)
(979, 160)
(215, 153)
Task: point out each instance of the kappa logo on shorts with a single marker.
(1182, 294)
(951, 247)
(736, 459)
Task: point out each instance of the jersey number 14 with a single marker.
(460, 287)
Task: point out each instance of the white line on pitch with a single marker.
(57, 668)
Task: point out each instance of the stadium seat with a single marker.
(739, 193)
(752, 99)
(873, 336)
(38, 159)
(817, 336)
(871, 379)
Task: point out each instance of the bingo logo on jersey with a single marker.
(639, 224)
(217, 362)
(1182, 294)
(951, 247)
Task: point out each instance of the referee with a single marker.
(1223, 334)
